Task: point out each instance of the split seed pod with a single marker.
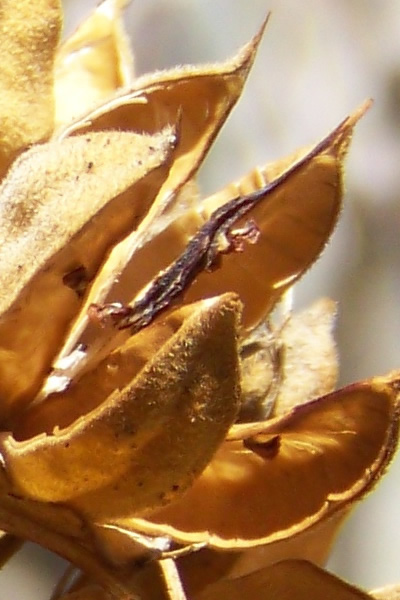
(131, 451)
(126, 306)
(330, 450)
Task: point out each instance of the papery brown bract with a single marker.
(304, 208)
(243, 500)
(348, 434)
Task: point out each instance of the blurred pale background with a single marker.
(318, 61)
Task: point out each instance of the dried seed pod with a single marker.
(63, 205)
(113, 462)
(307, 191)
(330, 451)
(135, 449)
(198, 98)
(302, 203)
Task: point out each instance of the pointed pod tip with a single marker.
(260, 33)
(362, 109)
(355, 116)
(246, 55)
(338, 141)
(229, 299)
(219, 308)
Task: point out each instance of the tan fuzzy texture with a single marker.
(87, 181)
(137, 421)
(28, 43)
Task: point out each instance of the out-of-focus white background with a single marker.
(318, 61)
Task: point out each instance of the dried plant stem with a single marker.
(19, 525)
(172, 580)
